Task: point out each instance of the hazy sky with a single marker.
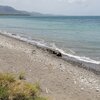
(65, 7)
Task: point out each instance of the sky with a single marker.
(58, 7)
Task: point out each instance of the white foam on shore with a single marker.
(53, 47)
(84, 59)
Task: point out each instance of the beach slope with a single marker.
(58, 79)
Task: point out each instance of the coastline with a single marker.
(59, 79)
(88, 64)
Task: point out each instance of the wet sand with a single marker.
(58, 79)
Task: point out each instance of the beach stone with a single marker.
(33, 51)
(47, 91)
(30, 70)
(59, 54)
(97, 90)
(14, 34)
(55, 52)
(1, 46)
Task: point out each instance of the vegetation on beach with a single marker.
(12, 88)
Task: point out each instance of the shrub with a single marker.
(3, 93)
(16, 89)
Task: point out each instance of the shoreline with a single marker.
(85, 65)
(58, 79)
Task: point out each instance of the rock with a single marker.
(47, 91)
(59, 54)
(14, 34)
(30, 70)
(33, 51)
(97, 90)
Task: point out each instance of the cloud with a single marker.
(64, 7)
(74, 1)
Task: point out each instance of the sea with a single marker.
(77, 37)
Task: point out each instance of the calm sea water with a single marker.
(78, 36)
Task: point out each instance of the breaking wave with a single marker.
(52, 46)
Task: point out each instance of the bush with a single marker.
(16, 89)
(3, 93)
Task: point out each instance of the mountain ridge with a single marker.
(8, 10)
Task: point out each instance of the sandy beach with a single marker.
(58, 79)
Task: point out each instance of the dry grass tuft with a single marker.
(16, 89)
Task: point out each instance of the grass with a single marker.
(16, 89)
(22, 76)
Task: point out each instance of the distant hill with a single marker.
(7, 10)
